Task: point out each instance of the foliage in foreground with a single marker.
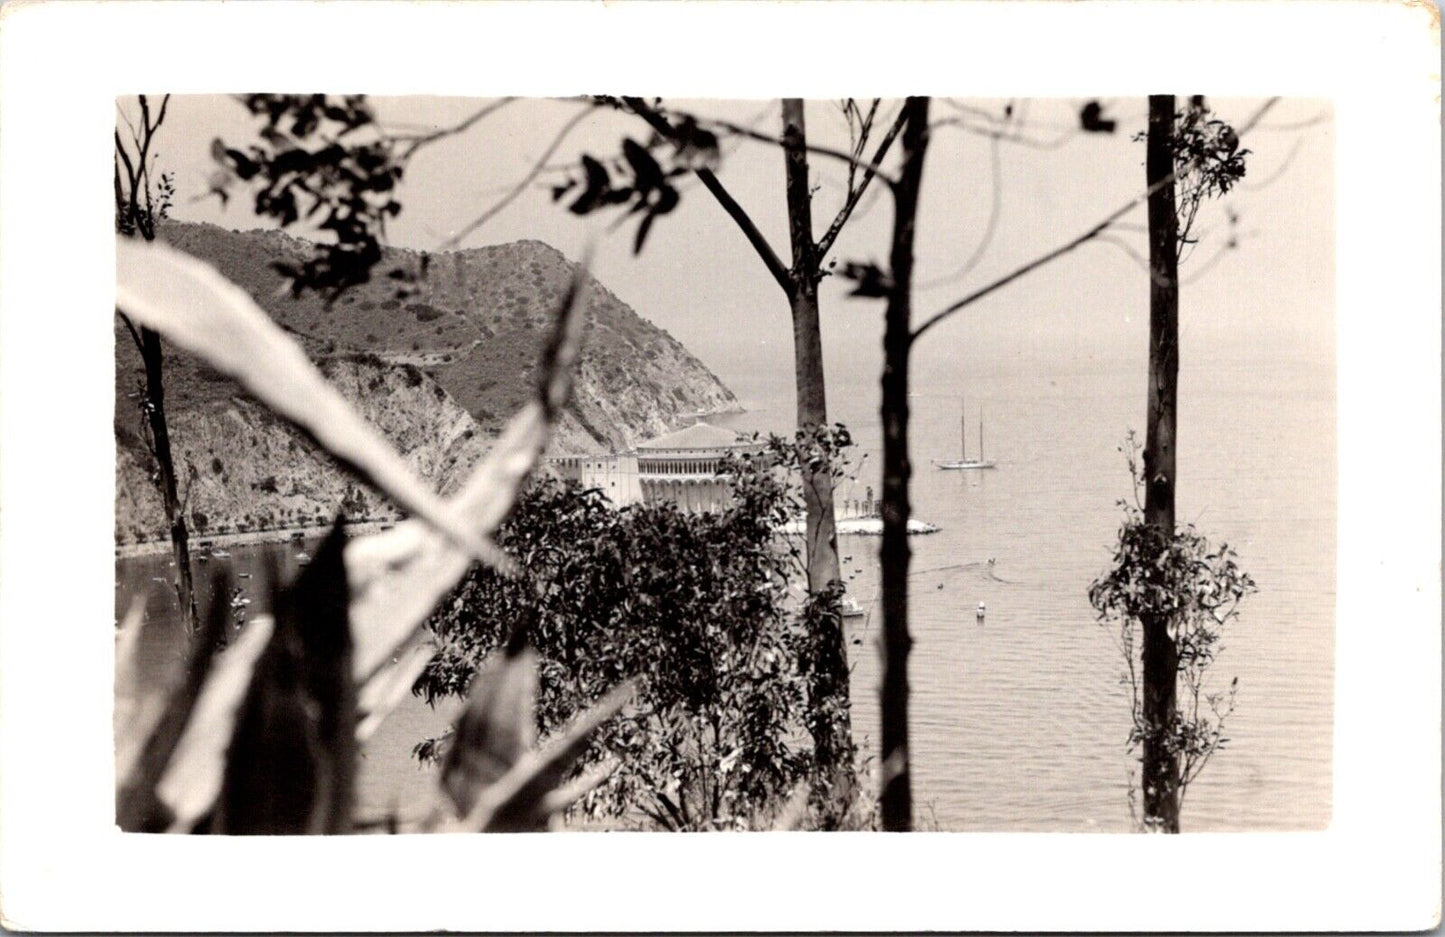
(1196, 588)
(694, 608)
(262, 736)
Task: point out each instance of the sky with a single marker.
(1270, 299)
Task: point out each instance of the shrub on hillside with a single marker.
(693, 606)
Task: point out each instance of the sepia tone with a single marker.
(759, 347)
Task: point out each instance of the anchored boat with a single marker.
(963, 461)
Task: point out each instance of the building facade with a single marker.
(680, 467)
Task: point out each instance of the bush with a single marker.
(692, 605)
(1196, 588)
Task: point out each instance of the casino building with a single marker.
(680, 467)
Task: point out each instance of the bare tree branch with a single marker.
(994, 212)
(537, 169)
(729, 204)
(1007, 136)
(1069, 246)
(855, 195)
(130, 326)
(1274, 177)
(1321, 118)
(477, 116)
(752, 134)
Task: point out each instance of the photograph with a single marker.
(787, 534)
(1011, 425)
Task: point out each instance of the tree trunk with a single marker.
(153, 357)
(1160, 655)
(833, 742)
(808, 348)
(136, 219)
(896, 797)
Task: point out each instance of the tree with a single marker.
(1176, 581)
(799, 283)
(689, 606)
(651, 195)
(895, 286)
(140, 202)
(895, 800)
(1161, 658)
(1170, 581)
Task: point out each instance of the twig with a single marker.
(465, 125)
(995, 210)
(1069, 246)
(739, 215)
(521, 186)
(750, 133)
(855, 195)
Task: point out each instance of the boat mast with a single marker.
(962, 430)
(980, 434)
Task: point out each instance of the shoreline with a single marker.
(248, 538)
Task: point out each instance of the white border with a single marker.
(61, 868)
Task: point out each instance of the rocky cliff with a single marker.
(438, 351)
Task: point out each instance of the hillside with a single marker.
(438, 363)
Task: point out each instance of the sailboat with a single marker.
(963, 461)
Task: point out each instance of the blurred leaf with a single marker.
(647, 175)
(642, 228)
(398, 576)
(598, 184)
(137, 703)
(201, 311)
(388, 687)
(793, 811)
(1091, 119)
(290, 765)
(496, 728)
(520, 800)
(141, 761)
(192, 777)
(871, 281)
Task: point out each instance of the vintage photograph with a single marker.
(609, 463)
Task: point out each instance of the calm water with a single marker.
(1020, 724)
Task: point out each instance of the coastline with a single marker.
(250, 537)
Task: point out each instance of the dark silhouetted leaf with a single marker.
(290, 766)
(647, 175)
(521, 800)
(870, 280)
(1091, 119)
(598, 185)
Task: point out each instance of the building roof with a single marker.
(698, 436)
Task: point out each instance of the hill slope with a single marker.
(439, 363)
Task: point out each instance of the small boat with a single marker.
(850, 608)
(303, 557)
(220, 554)
(964, 462)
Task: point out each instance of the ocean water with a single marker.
(1020, 724)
